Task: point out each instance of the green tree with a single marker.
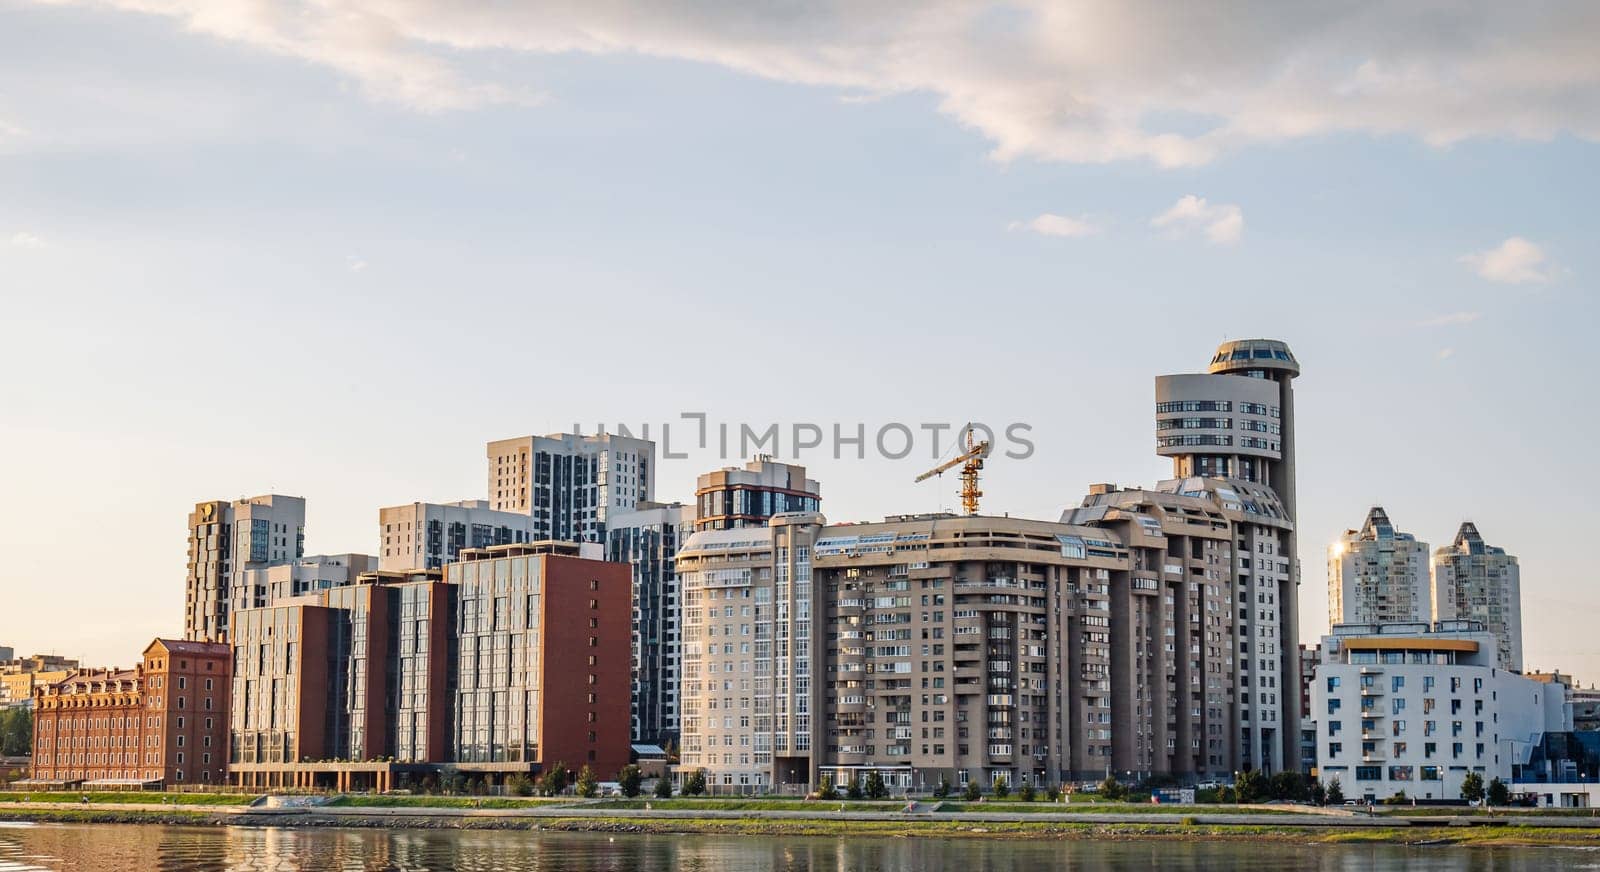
(1251, 786)
(826, 790)
(1113, 790)
(629, 780)
(1002, 788)
(1319, 794)
(1054, 794)
(1335, 793)
(853, 789)
(16, 732)
(1472, 787)
(663, 787)
(943, 789)
(1288, 785)
(588, 785)
(876, 789)
(973, 791)
(695, 784)
(1027, 793)
(520, 784)
(1499, 793)
(554, 780)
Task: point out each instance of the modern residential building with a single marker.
(731, 497)
(647, 539)
(753, 665)
(544, 661)
(1310, 659)
(1378, 575)
(429, 535)
(7, 653)
(1415, 707)
(20, 675)
(1479, 582)
(257, 586)
(568, 483)
(162, 723)
(228, 537)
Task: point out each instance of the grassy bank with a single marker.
(135, 797)
(446, 801)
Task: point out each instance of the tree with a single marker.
(1499, 793)
(1472, 787)
(1002, 788)
(1251, 786)
(588, 785)
(943, 790)
(1335, 793)
(695, 784)
(1288, 785)
(1319, 794)
(826, 790)
(16, 732)
(520, 784)
(663, 787)
(1113, 790)
(853, 789)
(554, 780)
(629, 780)
(973, 791)
(1027, 793)
(876, 789)
(1054, 794)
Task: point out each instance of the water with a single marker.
(138, 848)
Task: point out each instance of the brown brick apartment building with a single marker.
(162, 722)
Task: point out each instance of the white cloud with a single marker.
(354, 264)
(1057, 225)
(26, 240)
(1512, 262)
(1072, 80)
(1451, 320)
(1222, 223)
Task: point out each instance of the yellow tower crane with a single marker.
(971, 463)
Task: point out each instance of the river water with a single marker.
(137, 848)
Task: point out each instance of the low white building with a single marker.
(1414, 707)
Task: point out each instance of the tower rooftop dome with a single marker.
(1242, 354)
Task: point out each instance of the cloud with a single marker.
(1451, 320)
(26, 240)
(1070, 80)
(354, 264)
(1057, 225)
(1512, 262)
(1222, 223)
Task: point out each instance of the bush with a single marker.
(853, 789)
(943, 789)
(1499, 793)
(1226, 795)
(1251, 786)
(826, 790)
(1113, 790)
(554, 780)
(1002, 788)
(1335, 793)
(1288, 785)
(1319, 794)
(876, 789)
(588, 785)
(695, 784)
(1054, 794)
(629, 780)
(1189, 821)
(972, 792)
(1399, 798)
(1472, 787)
(663, 787)
(1027, 793)
(519, 785)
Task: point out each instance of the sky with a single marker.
(332, 248)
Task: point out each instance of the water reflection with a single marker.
(188, 849)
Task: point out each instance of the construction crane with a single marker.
(971, 462)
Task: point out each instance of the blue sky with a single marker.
(234, 259)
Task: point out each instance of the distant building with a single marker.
(1378, 575)
(7, 653)
(163, 722)
(1415, 707)
(568, 483)
(20, 675)
(1478, 582)
(429, 535)
(226, 538)
(258, 586)
(732, 497)
(648, 539)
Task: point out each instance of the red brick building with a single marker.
(162, 722)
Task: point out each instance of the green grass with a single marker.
(445, 801)
(137, 797)
(1099, 808)
(751, 804)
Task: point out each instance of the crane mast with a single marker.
(971, 463)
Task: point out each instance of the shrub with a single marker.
(554, 780)
(1027, 793)
(1113, 790)
(943, 789)
(695, 784)
(1399, 798)
(663, 787)
(1251, 786)
(826, 790)
(1002, 788)
(1472, 787)
(972, 792)
(1335, 793)
(853, 789)
(1499, 793)
(588, 785)
(876, 789)
(520, 785)
(1054, 794)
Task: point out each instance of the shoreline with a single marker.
(1299, 829)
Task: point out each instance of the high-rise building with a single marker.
(429, 535)
(255, 587)
(753, 665)
(226, 538)
(1378, 575)
(648, 539)
(1415, 707)
(161, 723)
(1234, 425)
(1479, 582)
(19, 676)
(731, 497)
(568, 483)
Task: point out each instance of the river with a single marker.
(144, 848)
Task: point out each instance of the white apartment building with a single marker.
(1476, 581)
(417, 536)
(257, 587)
(1378, 575)
(569, 483)
(227, 537)
(1415, 707)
